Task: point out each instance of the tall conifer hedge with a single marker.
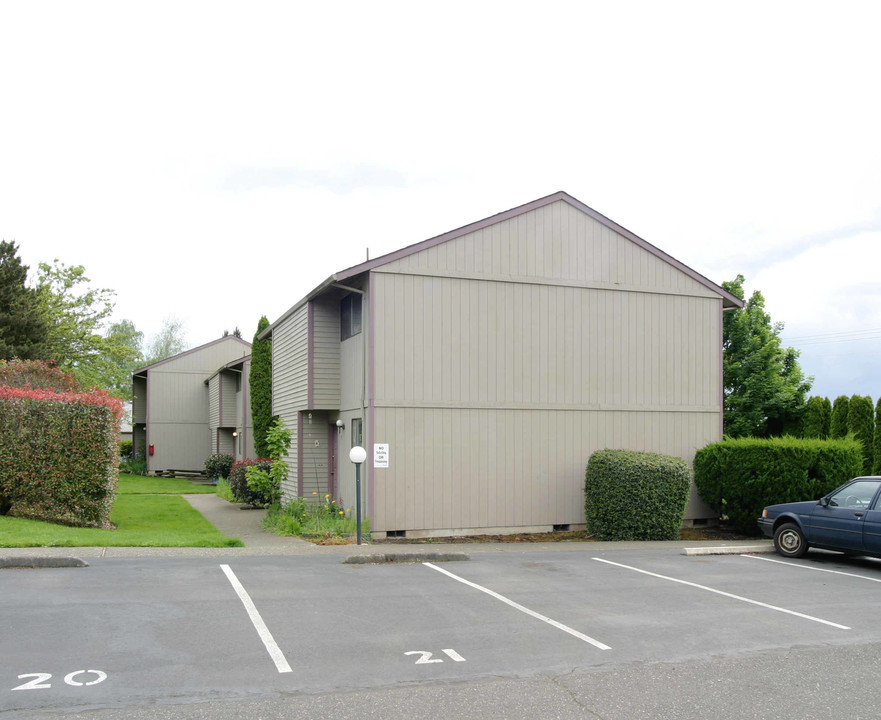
(261, 388)
(838, 423)
(860, 423)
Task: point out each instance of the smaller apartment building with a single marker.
(191, 405)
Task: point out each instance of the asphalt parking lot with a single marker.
(283, 633)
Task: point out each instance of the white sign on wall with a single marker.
(380, 455)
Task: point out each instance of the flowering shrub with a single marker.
(268, 483)
(238, 482)
(59, 454)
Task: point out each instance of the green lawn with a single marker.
(143, 485)
(141, 519)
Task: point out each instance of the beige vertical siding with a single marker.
(504, 358)
(471, 343)
(557, 244)
(315, 470)
(228, 405)
(326, 353)
(139, 400)
(456, 469)
(214, 402)
(178, 403)
(290, 364)
(290, 360)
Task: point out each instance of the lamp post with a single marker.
(358, 455)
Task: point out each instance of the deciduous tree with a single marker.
(764, 386)
(77, 339)
(125, 350)
(168, 341)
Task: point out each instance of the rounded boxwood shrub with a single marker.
(218, 465)
(632, 495)
(238, 482)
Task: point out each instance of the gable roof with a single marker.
(231, 365)
(729, 301)
(190, 352)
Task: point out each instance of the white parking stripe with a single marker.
(271, 646)
(725, 594)
(815, 569)
(517, 606)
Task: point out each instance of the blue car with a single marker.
(847, 519)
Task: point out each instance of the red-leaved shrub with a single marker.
(59, 455)
(36, 374)
(238, 482)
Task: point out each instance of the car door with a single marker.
(872, 527)
(838, 520)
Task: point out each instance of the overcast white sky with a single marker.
(214, 161)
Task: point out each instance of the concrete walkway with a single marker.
(232, 521)
(242, 522)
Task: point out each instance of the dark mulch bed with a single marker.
(704, 533)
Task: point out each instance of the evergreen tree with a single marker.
(876, 443)
(261, 388)
(838, 422)
(764, 387)
(860, 423)
(24, 327)
(818, 413)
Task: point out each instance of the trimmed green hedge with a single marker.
(59, 455)
(739, 477)
(635, 495)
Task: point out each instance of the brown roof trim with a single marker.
(267, 333)
(729, 300)
(189, 352)
(231, 365)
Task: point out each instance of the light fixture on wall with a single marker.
(340, 424)
(235, 433)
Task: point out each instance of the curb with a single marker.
(404, 558)
(728, 550)
(40, 562)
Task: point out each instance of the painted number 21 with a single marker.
(39, 679)
(426, 657)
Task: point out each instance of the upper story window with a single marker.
(350, 316)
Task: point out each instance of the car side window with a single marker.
(857, 495)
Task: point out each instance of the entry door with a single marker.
(332, 443)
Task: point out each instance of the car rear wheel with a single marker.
(790, 541)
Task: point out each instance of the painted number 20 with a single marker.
(39, 679)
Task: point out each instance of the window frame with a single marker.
(351, 316)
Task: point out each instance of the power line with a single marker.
(836, 337)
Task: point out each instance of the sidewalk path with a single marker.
(232, 521)
(242, 522)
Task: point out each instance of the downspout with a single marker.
(246, 404)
